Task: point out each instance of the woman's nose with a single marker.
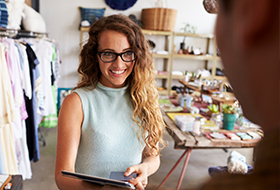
(118, 62)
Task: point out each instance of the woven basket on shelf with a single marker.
(159, 19)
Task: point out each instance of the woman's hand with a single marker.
(141, 181)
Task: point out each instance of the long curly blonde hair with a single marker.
(141, 82)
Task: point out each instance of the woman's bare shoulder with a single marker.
(71, 103)
(72, 98)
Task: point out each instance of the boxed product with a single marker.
(184, 122)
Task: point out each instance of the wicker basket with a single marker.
(159, 19)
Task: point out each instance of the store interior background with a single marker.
(63, 18)
(62, 21)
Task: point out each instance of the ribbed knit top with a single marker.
(109, 135)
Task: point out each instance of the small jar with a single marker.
(196, 126)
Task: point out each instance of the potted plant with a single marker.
(186, 29)
(213, 108)
(229, 116)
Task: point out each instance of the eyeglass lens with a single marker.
(110, 56)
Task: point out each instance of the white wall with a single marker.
(63, 17)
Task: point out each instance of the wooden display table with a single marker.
(188, 141)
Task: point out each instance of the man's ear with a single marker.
(254, 18)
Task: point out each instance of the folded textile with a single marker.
(237, 163)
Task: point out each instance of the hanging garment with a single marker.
(24, 166)
(7, 115)
(32, 122)
(44, 52)
(7, 112)
(8, 148)
(25, 74)
(50, 120)
(12, 59)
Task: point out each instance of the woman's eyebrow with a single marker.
(124, 50)
(106, 49)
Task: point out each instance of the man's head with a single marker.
(247, 34)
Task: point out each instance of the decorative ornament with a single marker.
(120, 4)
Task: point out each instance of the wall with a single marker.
(63, 17)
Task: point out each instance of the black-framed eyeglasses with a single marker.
(108, 57)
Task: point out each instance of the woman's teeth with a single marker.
(117, 72)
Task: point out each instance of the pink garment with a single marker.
(12, 58)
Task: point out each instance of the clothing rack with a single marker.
(16, 34)
(12, 33)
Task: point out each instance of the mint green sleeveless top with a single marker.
(109, 135)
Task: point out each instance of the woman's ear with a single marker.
(253, 18)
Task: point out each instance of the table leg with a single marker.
(176, 164)
(184, 168)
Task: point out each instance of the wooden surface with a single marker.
(28, 2)
(207, 89)
(185, 140)
(186, 84)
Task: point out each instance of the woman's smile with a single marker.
(118, 72)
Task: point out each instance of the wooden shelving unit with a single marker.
(206, 57)
(167, 58)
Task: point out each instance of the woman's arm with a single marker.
(152, 160)
(150, 164)
(68, 138)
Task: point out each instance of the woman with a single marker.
(112, 121)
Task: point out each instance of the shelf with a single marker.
(155, 32)
(162, 92)
(84, 29)
(194, 57)
(162, 76)
(210, 36)
(178, 76)
(155, 55)
(222, 78)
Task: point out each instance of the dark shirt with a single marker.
(32, 121)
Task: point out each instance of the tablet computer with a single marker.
(98, 180)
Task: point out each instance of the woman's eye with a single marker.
(129, 53)
(108, 54)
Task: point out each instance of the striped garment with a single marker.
(3, 14)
